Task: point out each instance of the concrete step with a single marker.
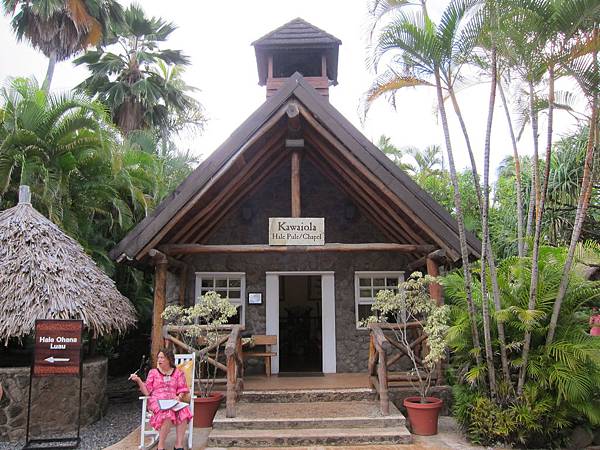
(309, 395)
(309, 437)
(309, 415)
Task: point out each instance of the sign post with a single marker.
(57, 352)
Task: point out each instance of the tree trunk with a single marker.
(49, 72)
(533, 287)
(486, 230)
(460, 221)
(489, 255)
(582, 206)
(520, 215)
(533, 195)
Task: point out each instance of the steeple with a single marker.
(300, 47)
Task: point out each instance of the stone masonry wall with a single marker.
(54, 401)
(248, 224)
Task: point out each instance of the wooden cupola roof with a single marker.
(297, 46)
(407, 214)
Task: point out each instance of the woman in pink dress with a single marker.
(595, 322)
(165, 383)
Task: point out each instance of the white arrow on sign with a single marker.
(52, 359)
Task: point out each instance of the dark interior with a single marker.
(300, 334)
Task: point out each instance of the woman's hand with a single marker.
(135, 377)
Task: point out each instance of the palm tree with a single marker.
(587, 73)
(140, 83)
(561, 27)
(60, 28)
(418, 53)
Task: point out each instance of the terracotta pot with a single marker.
(423, 417)
(205, 409)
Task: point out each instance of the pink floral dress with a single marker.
(161, 387)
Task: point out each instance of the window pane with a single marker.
(235, 282)
(222, 292)
(235, 320)
(364, 311)
(234, 294)
(207, 282)
(221, 282)
(391, 282)
(364, 282)
(378, 281)
(365, 293)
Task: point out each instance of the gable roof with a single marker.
(425, 212)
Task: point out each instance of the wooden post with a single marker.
(384, 399)
(323, 66)
(296, 194)
(160, 298)
(435, 289)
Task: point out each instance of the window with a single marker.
(367, 285)
(231, 285)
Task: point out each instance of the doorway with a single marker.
(300, 324)
(327, 309)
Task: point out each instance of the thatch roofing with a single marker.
(45, 274)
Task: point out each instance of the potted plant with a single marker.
(201, 324)
(412, 304)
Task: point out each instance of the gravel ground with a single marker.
(119, 421)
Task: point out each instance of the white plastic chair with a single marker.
(146, 429)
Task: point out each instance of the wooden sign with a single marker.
(296, 231)
(57, 348)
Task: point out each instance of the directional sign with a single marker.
(57, 347)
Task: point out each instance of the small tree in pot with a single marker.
(410, 308)
(201, 330)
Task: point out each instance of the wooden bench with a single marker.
(267, 341)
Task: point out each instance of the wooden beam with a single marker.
(157, 256)
(296, 192)
(159, 233)
(160, 297)
(379, 183)
(363, 185)
(294, 125)
(248, 173)
(386, 223)
(438, 256)
(204, 228)
(187, 249)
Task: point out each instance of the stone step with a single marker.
(309, 437)
(309, 395)
(297, 415)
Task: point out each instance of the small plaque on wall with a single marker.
(255, 298)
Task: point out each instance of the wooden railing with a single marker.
(381, 378)
(230, 336)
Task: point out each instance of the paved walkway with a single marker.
(447, 438)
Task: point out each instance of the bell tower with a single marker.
(300, 47)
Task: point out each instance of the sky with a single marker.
(217, 37)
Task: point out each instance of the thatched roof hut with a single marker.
(45, 274)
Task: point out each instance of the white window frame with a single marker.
(236, 275)
(371, 274)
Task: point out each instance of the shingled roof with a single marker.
(297, 32)
(297, 35)
(439, 227)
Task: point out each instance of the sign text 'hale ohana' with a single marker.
(296, 231)
(57, 347)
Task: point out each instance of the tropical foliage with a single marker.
(140, 83)
(561, 387)
(60, 28)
